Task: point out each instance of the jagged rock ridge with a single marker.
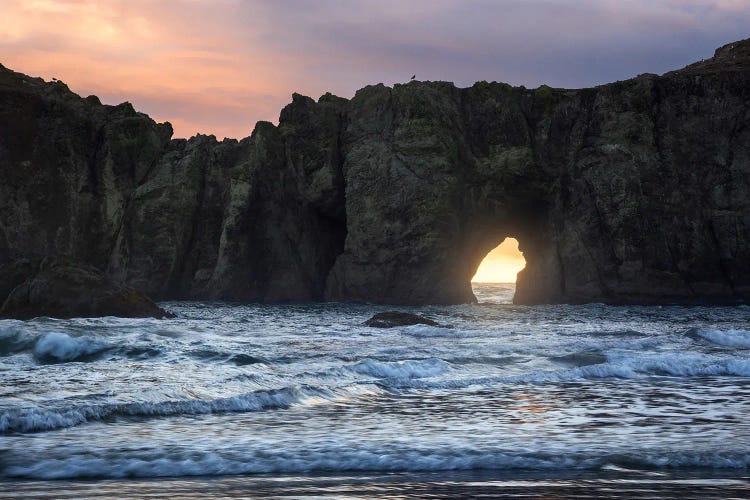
(632, 192)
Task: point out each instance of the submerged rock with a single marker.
(390, 319)
(65, 290)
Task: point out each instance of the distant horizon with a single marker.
(217, 68)
(501, 264)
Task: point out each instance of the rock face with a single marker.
(64, 290)
(391, 319)
(632, 192)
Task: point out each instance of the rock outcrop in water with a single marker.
(31, 289)
(632, 192)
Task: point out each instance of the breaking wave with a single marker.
(13, 341)
(625, 365)
(60, 348)
(426, 331)
(153, 463)
(400, 369)
(728, 338)
(57, 347)
(230, 389)
(41, 419)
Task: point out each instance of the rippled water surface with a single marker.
(304, 399)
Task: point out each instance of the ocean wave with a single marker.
(617, 334)
(141, 353)
(426, 331)
(57, 347)
(157, 463)
(13, 341)
(624, 365)
(61, 348)
(725, 338)
(674, 364)
(400, 369)
(630, 365)
(219, 356)
(43, 419)
(581, 358)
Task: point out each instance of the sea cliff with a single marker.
(632, 192)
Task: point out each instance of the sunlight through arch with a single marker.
(502, 264)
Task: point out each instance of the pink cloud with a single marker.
(219, 66)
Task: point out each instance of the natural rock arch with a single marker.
(435, 178)
(632, 192)
(614, 193)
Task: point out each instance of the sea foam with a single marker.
(629, 365)
(619, 365)
(41, 419)
(726, 338)
(60, 348)
(155, 463)
(400, 369)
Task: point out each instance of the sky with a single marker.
(219, 66)
(501, 265)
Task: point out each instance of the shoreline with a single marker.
(614, 483)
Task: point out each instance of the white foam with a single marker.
(400, 369)
(726, 338)
(156, 463)
(41, 419)
(622, 365)
(287, 461)
(630, 365)
(426, 331)
(60, 347)
(681, 364)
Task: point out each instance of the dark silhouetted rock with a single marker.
(632, 192)
(390, 319)
(65, 290)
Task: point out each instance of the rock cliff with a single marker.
(632, 192)
(62, 289)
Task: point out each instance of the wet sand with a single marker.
(478, 484)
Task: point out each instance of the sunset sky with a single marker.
(219, 66)
(501, 265)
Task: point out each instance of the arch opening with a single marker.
(495, 278)
(501, 265)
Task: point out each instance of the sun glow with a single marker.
(501, 265)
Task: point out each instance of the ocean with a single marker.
(303, 399)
